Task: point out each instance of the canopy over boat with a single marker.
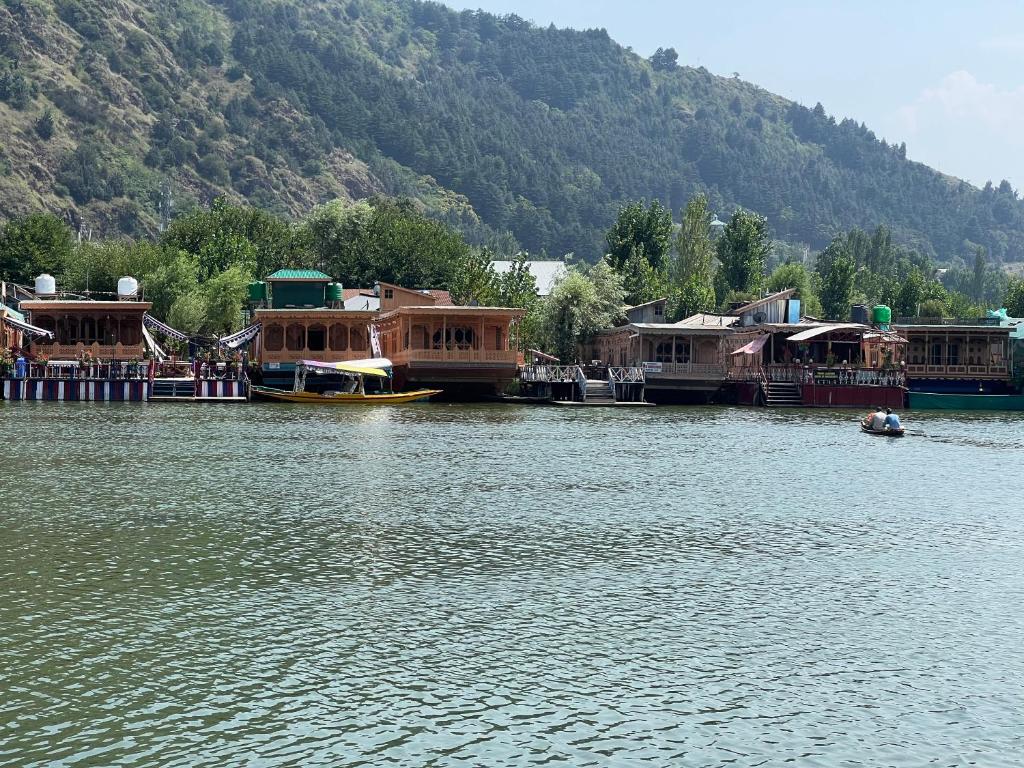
(359, 370)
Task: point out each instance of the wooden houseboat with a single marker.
(468, 352)
(961, 364)
(303, 316)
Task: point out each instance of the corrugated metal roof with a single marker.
(299, 274)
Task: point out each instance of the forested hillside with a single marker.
(123, 113)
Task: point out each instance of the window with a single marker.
(357, 340)
(339, 337)
(499, 339)
(455, 338)
(88, 330)
(273, 338)
(953, 354)
(659, 310)
(682, 351)
(316, 338)
(419, 337)
(389, 293)
(663, 352)
(295, 337)
(936, 358)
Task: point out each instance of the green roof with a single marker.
(299, 274)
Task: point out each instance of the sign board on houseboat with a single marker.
(826, 376)
(652, 367)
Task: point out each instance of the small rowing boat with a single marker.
(883, 432)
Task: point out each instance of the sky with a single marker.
(946, 77)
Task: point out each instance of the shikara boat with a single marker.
(883, 432)
(368, 383)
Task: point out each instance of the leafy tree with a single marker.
(224, 296)
(743, 250)
(46, 125)
(934, 308)
(665, 59)
(32, 244)
(228, 234)
(643, 229)
(177, 276)
(1013, 300)
(910, 295)
(792, 275)
(581, 303)
(692, 288)
(837, 285)
(476, 282)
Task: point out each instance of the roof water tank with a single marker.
(127, 288)
(46, 285)
(335, 292)
(881, 315)
(859, 314)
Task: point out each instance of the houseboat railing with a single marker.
(625, 376)
(677, 369)
(800, 375)
(958, 370)
(581, 383)
(129, 371)
(504, 356)
(548, 373)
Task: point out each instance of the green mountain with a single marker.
(120, 113)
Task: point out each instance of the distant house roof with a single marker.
(761, 302)
(362, 302)
(545, 273)
(648, 304)
(351, 293)
(300, 274)
(709, 321)
(441, 298)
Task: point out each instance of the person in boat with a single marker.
(878, 420)
(892, 421)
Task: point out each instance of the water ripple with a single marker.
(467, 586)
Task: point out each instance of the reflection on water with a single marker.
(461, 585)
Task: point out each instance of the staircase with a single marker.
(177, 389)
(598, 392)
(782, 394)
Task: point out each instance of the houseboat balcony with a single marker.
(500, 357)
(653, 370)
(959, 371)
(847, 376)
(97, 351)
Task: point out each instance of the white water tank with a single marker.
(46, 285)
(127, 288)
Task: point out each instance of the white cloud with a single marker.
(965, 127)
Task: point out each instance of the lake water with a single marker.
(507, 586)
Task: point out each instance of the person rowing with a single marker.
(892, 421)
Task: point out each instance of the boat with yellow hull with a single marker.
(363, 382)
(344, 398)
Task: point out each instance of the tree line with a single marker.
(649, 256)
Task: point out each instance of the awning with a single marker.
(163, 328)
(753, 347)
(344, 368)
(812, 332)
(244, 336)
(31, 330)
